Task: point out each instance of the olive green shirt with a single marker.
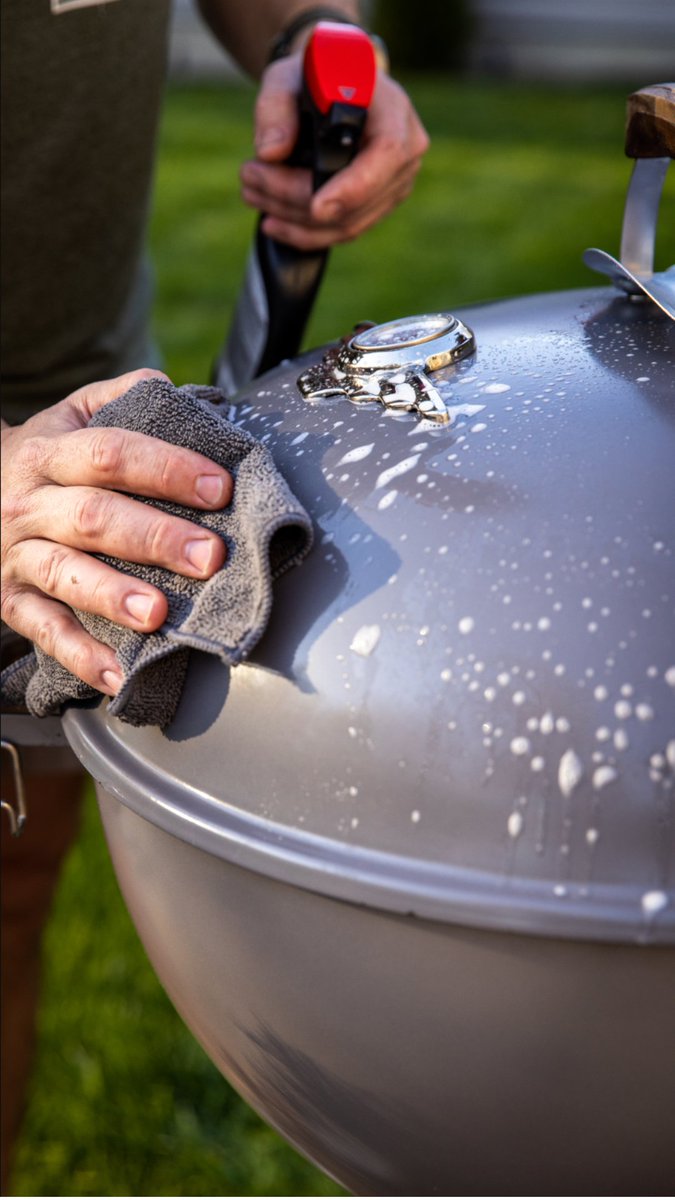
(82, 84)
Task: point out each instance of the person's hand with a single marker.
(61, 504)
(379, 178)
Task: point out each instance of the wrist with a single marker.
(296, 32)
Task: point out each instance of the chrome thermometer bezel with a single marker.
(391, 363)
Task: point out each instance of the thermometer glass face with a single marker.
(396, 335)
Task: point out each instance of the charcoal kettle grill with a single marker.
(408, 873)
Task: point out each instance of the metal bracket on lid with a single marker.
(650, 138)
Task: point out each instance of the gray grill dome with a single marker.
(408, 872)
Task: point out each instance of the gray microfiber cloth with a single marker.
(265, 529)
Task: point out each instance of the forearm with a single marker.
(247, 29)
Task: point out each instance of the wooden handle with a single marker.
(650, 122)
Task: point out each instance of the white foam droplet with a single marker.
(365, 640)
(570, 772)
(493, 389)
(465, 625)
(390, 473)
(653, 903)
(387, 500)
(547, 723)
(415, 816)
(464, 410)
(670, 755)
(355, 455)
(592, 836)
(644, 712)
(520, 746)
(670, 677)
(600, 692)
(515, 824)
(602, 777)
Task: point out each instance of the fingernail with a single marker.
(199, 553)
(210, 488)
(112, 680)
(139, 606)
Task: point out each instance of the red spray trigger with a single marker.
(339, 72)
(339, 66)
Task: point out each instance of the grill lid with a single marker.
(464, 705)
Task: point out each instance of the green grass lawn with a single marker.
(518, 182)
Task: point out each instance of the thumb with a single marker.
(276, 110)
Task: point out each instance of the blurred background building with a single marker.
(630, 41)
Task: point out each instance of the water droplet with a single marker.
(653, 903)
(365, 640)
(602, 777)
(515, 824)
(520, 746)
(570, 772)
(355, 455)
(621, 739)
(387, 500)
(466, 625)
(400, 468)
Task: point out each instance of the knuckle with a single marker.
(143, 373)
(32, 455)
(50, 569)
(168, 471)
(48, 633)
(107, 452)
(83, 662)
(15, 509)
(156, 537)
(11, 606)
(91, 515)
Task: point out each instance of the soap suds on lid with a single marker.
(520, 746)
(365, 640)
(603, 776)
(357, 454)
(400, 468)
(570, 772)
